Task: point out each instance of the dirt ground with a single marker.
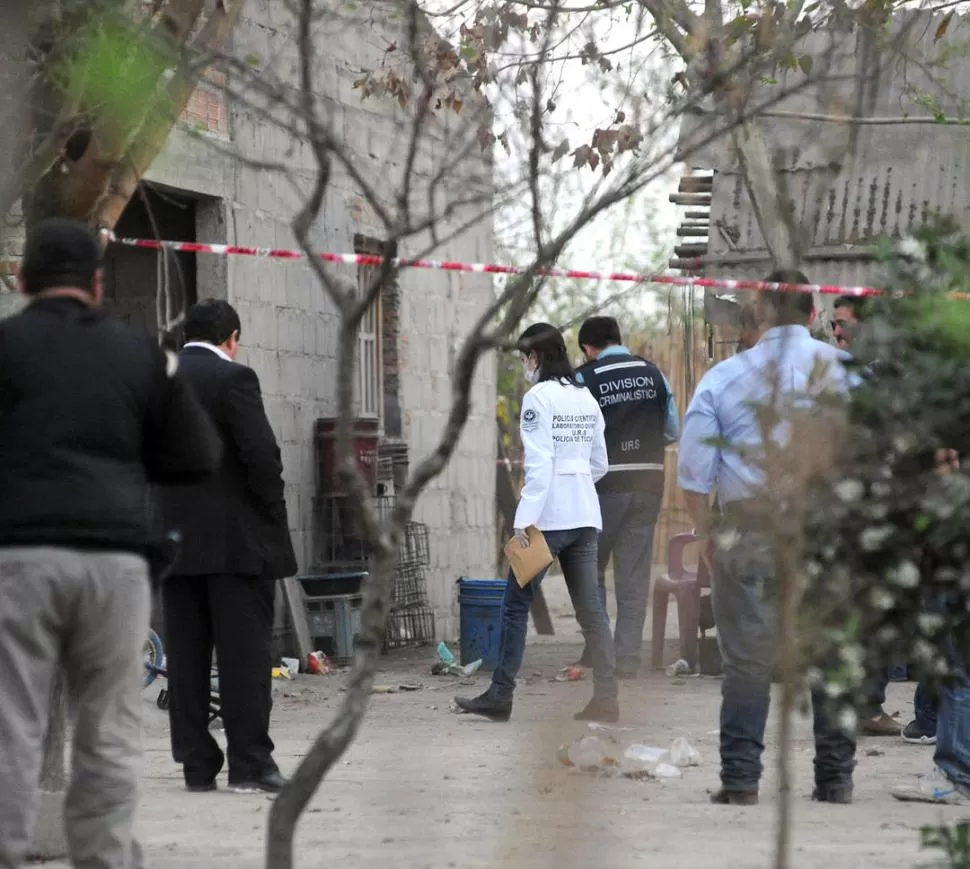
(425, 789)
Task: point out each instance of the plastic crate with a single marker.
(334, 623)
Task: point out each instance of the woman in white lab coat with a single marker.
(565, 454)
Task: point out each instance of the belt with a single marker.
(637, 466)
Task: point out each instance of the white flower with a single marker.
(728, 539)
(912, 248)
(906, 575)
(852, 654)
(888, 634)
(849, 491)
(923, 651)
(872, 538)
(848, 720)
(881, 599)
(929, 623)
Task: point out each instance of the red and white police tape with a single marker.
(485, 268)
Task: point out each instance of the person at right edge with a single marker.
(235, 543)
(721, 431)
(565, 454)
(641, 419)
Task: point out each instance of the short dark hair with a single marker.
(546, 341)
(792, 307)
(600, 332)
(856, 303)
(60, 252)
(747, 318)
(212, 321)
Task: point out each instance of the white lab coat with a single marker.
(565, 455)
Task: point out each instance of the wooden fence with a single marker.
(683, 370)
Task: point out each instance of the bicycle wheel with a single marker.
(153, 657)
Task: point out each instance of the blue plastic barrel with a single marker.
(480, 612)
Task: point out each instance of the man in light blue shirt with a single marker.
(641, 419)
(719, 450)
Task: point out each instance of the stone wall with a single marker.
(289, 324)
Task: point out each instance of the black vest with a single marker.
(633, 398)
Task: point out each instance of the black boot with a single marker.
(600, 709)
(839, 794)
(487, 707)
(725, 797)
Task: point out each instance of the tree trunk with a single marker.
(771, 207)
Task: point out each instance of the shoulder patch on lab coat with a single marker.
(530, 420)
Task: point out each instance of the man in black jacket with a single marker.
(235, 542)
(90, 414)
(641, 419)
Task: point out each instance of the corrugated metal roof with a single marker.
(898, 174)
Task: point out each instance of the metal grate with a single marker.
(409, 627)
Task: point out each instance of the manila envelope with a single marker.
(529, 562)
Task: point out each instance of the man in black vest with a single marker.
(641, 419)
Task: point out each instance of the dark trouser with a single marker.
(233, 615)
(925, 704)
(576, 551)
(629, 519)
(745, 609)
(878, 682)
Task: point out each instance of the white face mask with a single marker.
(531, 374)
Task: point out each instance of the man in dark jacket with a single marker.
(641, 419)
(235, 542)
(90, 414)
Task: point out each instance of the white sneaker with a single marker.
(932, 788)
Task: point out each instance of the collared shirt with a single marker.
(672, 418)
(217, 350)
(724, 405)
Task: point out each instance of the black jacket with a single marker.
(235, 523)
(91, 413)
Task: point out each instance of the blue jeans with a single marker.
(629, 519)
(576, 551)
(745, 610)
(925, 705)
(952, 753)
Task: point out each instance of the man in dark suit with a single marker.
(235, 543)
(91, 413)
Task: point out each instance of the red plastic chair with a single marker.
(686, 586)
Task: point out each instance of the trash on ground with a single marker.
(281, 673)
(411, 686)
(679, 668)
(682, 753)
(638, 761)
(607, 728)
(319, 664)
(447, 664)
(291, 664)
(445, 654)
(587, 753)
(384, 689)
(570, 674)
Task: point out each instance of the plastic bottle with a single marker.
(588, 752)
